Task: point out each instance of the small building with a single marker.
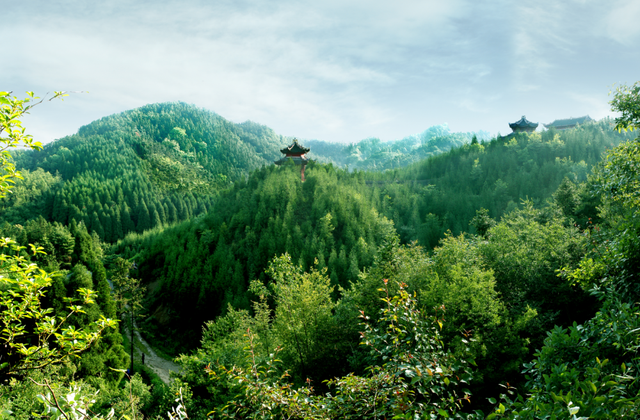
(296, 152)
(523, 125)
(568, 123)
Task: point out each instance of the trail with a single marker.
(160, 366)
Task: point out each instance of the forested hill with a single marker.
(176, 145)
(335, 217)
(472, 263)
(163, 163)
(142, 168)
(200, 266)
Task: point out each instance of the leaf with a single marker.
(443, 413)
(573, 410)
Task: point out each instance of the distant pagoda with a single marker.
(297, 153)
(523, 125)
(568, 123)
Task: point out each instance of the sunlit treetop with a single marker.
(626, 100)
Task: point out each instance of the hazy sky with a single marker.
(329, 70)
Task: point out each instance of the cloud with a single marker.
(244, 60)
(622, 22)
(340, 70)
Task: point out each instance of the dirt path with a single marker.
(160, 366)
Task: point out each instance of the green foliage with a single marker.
(417, 377)
(12, 133)
(79, 252)
(444, 192)
(209, 262)
(53, 394)
(590, 369)
(626, 100)
(128, 292)
(303, 312)
(614, 264)
(129, 172)
(29, 196)
(482, 222)
(525, 251)
(478, 324)
(528, 272)
(34, 337)
(567, 197)
(31, 337)
(306, 329)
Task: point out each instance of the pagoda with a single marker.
(297, 153)
(523, 125)
(568, 123)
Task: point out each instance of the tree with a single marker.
(626, 100)
(589, 370)
(128, 293)
(414, 376)
(303, 310)
(12, 134)
(30, 336)
(482, 222)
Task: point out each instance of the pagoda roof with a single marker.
(295, 149)
(569, 122)
(523, 123)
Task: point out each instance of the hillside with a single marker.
(233, 269)
(147, 167)
(334, 218)
(362, 283)
(443, 193)
(163, 163)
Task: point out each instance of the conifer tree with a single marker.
(127, 224)
(144, 219)
(96, 226)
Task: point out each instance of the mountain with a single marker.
(237, 253)
(372, 154)
(340, 218)
(163, 163)
(142, 168)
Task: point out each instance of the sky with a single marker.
(332, 70)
